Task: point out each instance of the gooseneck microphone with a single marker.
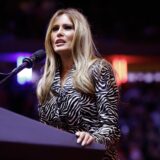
(35, 58)
(28, 62)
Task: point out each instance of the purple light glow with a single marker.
(12, 57)
(148, 77)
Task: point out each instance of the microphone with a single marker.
(27, 63)
(36, 57)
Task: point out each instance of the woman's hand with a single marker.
(84, 138)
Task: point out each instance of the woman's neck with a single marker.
(67, 64)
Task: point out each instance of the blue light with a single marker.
(25, 75)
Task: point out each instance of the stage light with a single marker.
(25, 75)
(120, 66)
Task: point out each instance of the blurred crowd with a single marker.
(112, 19)
(25, 18)
(140, 121)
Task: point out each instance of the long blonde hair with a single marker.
(83, 52)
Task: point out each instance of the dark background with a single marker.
(117, 26)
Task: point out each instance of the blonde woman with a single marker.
(77, 91)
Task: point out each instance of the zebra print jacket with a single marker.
(73, 111)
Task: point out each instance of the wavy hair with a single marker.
(84, 55)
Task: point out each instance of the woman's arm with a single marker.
(107, 100)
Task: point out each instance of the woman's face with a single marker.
(62, 35)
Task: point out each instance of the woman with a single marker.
(78, 92)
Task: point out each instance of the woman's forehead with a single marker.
(63, 18)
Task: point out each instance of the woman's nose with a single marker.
(60, 32)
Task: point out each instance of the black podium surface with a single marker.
(22, 138)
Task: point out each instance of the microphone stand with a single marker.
(27, 63)
(13, 72)
(3, 75)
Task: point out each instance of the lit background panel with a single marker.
(25, 75)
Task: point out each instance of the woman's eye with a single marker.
(55, 28)
(65, 27)
(68, 27)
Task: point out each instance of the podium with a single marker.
(22, 138)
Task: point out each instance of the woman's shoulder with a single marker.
(101, 64)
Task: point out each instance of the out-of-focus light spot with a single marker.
(25, 75)
(13, 56)
(157, 77)
(125, 129)
(120, 65)
(140, 77)
(148, 77)
(131, 77)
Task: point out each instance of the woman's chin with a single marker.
(62, 51)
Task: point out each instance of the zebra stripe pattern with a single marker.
(97, 114)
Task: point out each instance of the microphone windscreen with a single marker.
(38, 55)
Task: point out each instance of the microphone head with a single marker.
(36, 57)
